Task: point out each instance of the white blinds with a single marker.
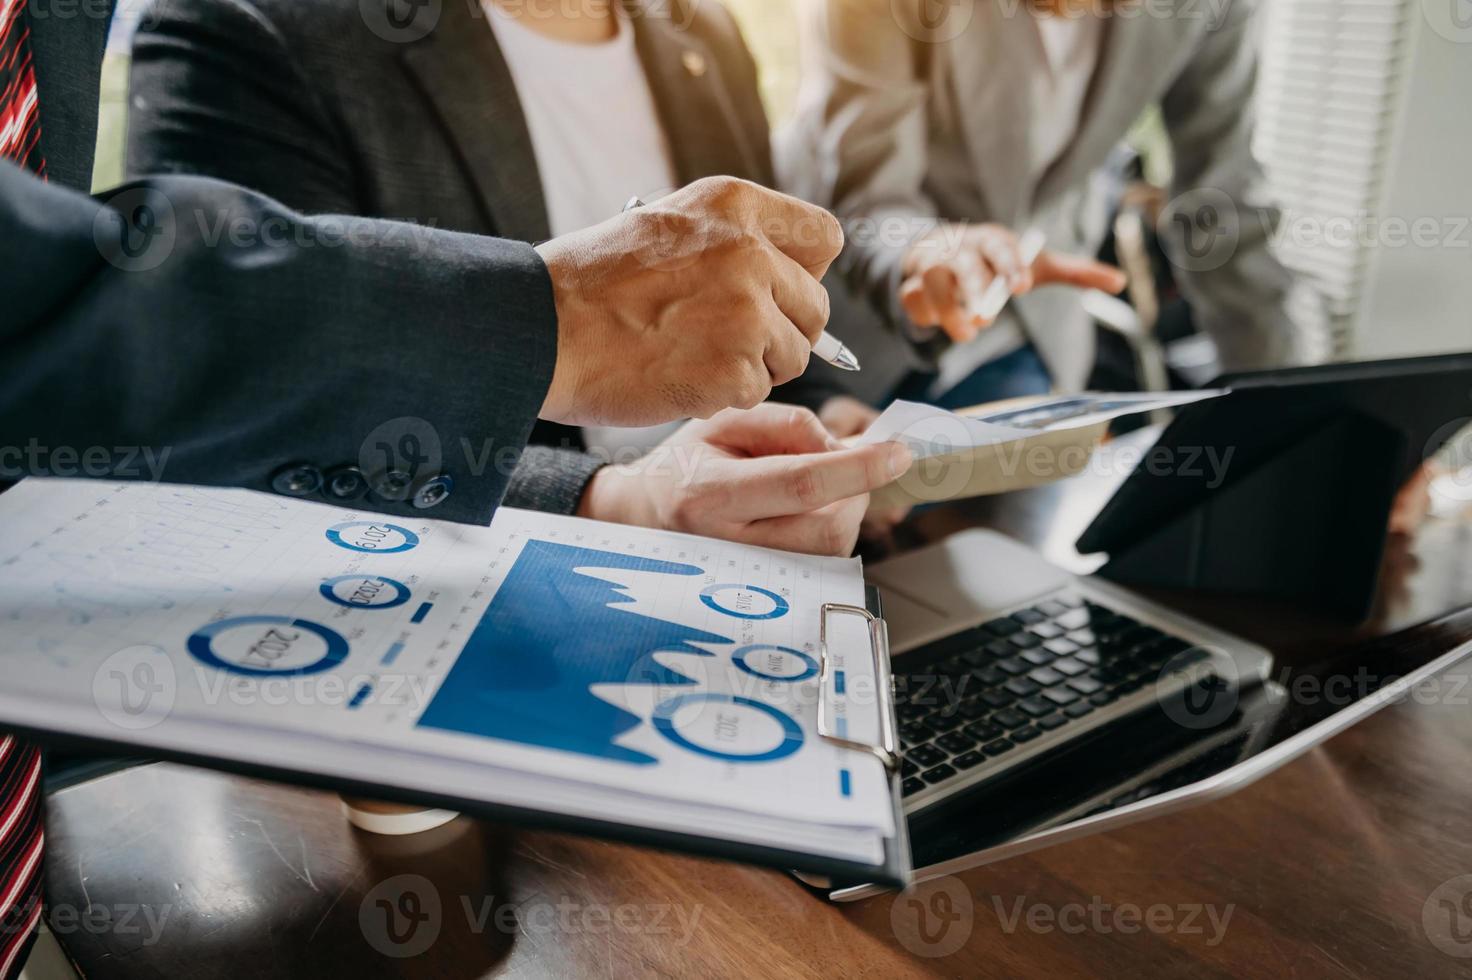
(1332, 75)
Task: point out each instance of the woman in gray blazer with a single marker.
(940, 131)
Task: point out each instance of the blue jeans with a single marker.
(1014, 375)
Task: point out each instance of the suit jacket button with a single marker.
(395, 486)
(297, 480)
(346, 483)
(433, 492)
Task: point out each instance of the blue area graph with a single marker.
(549, 635)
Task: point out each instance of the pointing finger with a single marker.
(781, 486)
(1074, 270)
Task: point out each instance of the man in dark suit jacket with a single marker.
(318, 104)
(148, 323)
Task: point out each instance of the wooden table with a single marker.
(1356, 860)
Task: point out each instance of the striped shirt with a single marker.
(22, 835)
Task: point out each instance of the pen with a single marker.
(828, 347)
(1000, 290)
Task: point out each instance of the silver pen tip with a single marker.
(845, 359)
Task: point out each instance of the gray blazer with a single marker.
(905, 120)
(131, 324)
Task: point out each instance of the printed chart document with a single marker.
(546, 664)
(1007, 446)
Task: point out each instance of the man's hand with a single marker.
(772, 476)
(699, 302)
(948, 271)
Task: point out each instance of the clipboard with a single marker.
(893, 871)
(897, 867)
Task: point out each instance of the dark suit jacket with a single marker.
(307, 101)
(141, 325)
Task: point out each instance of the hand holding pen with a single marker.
(960, 277)
(827, 347)
(654, 326)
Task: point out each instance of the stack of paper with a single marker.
(545, 663)
(1003, 447)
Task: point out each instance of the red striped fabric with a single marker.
(22, 833)
(22, 840)
(20, 118)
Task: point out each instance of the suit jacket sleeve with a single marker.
(216, 92)
(229, 337)
(858, 142)
(1221, 216)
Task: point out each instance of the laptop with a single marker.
(1035, 706)
(1001, 658)
(1162, 740)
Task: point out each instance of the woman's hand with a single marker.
(947, 273)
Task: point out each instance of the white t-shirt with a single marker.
(1071, 47)
(593, 124)
(598, 142)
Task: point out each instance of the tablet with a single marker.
(1284, 487)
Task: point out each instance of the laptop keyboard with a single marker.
(977, 695)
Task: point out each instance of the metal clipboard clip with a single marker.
(887, 751)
